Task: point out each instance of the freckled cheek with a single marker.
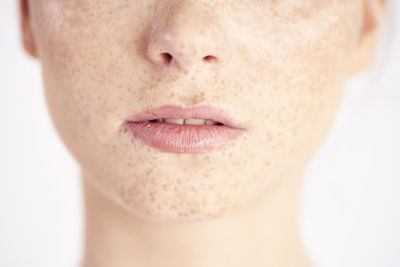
(62, 54)
(69, 71)
(293, 112)
(72, 102)
(82, 107)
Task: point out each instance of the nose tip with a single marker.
(184, 42)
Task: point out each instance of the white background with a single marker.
(350, 209)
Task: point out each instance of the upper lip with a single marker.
(204, 112)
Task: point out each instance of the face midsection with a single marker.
(284, 81)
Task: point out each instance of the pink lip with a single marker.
(178, 138)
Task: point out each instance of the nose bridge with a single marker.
(187, 34)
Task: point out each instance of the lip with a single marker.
(183, 138)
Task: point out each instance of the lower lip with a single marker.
(182, 138)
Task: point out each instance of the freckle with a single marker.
(206, 175)
(207, 157)
(193, 189)
(123, 130)
(172, 94)
(267, 163)
(165, 186)
(149, 171)
(270, 136)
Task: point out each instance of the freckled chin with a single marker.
(172, 196)
(179, 202)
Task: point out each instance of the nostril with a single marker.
(210, 58)
(167, 58)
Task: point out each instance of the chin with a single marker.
(165, 213)
(181, 202)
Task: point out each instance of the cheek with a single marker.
(78, 54)
(298, 83)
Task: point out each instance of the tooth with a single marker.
(194, 121)
(210, 122)
(174, 121)
(187, 121)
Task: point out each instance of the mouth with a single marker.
(197, 115)
(184, 130)
(182, 121)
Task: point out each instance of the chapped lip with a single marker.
(204, 112)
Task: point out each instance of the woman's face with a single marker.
(280, 68)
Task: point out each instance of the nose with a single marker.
(187, 36)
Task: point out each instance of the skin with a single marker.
(278, 67)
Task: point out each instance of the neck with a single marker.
(262, 233)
